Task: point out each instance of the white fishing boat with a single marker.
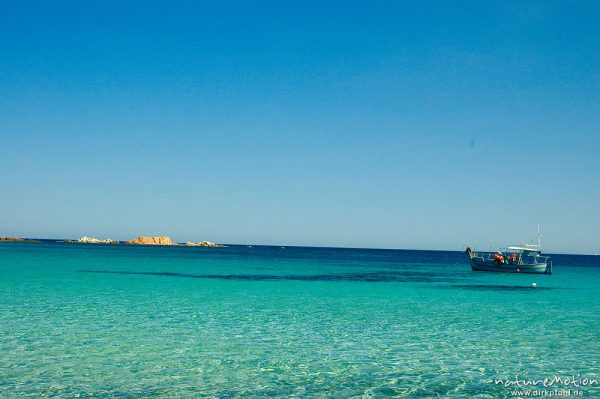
(526, 258)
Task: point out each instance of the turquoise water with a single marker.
(176, 322)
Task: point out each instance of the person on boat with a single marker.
(512, 258)
(469, 252)
(498, 258)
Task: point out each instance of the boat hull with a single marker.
(480, 265)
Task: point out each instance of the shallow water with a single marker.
(177, 322)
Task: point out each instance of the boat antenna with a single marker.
(539, 237)
(491, 242)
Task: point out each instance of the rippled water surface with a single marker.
(157, 322)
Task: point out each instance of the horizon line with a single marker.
(303, 246)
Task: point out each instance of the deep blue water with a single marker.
(122, 321)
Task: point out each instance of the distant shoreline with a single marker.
(139, 241)
(17, 239)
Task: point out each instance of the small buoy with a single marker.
(518, 270)
(533, 284)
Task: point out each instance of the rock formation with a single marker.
(91, 240)
(203, 244)
(163, 240)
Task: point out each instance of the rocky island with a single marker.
(162, 240)
(166, 240)
(91, 240)
(16, 239)
(203, 244)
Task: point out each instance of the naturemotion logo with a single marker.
(570, 381)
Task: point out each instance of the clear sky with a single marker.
(373, 124)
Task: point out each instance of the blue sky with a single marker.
(390, 124)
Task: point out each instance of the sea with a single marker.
(120, 321)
